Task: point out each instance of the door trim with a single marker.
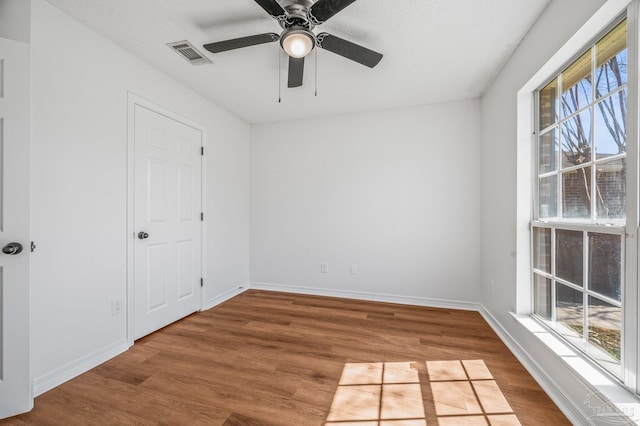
(134, 100)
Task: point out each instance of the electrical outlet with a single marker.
(354, 269)
(324, 268)
(116, 307)
(491, 286)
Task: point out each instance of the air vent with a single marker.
(189, 52)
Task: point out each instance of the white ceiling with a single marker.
(434, 51)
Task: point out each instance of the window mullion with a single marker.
(592, 166)
(559, 206)
(553, 275)
(535, 191)
(585, 283)
(592, 131)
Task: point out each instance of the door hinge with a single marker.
(201, 217)
(202, 150)
(201, 282)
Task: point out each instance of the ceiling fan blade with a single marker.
(237, 43)
(322, 10)
(349, 50)
(273, 8)
(296, 71)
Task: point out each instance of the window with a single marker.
(580, 201)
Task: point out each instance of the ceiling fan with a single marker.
(298, 18)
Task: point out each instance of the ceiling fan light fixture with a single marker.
(297, 43)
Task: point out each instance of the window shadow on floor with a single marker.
(389, 394)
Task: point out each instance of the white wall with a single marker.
(395, 192)
(79, 212)
(14, 19)
(558, 23)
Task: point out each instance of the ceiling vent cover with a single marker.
(189, 52)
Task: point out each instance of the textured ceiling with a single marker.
(434, 51)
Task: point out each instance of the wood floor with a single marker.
(266, 358)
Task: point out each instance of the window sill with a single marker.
(611, 401)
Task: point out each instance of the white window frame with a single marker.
(597, 26)
(586, 225)
(592, 351)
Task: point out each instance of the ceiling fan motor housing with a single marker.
(297, 11)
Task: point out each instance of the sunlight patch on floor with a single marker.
(464, 393)
(376, 394)
(389, 394)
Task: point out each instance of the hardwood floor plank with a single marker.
(153, 407)
(275, 359)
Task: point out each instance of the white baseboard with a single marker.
(67, 372)
(546, 382)
(574, 413)
(73, 369)
(225, 296)
(373, 297)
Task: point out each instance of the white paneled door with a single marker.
(167, 216)
(15, 378)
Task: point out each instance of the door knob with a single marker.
(142, 235)
(12, 248)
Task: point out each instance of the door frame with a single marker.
(134, 100)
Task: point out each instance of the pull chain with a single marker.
(316, 73)
(279, 75)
